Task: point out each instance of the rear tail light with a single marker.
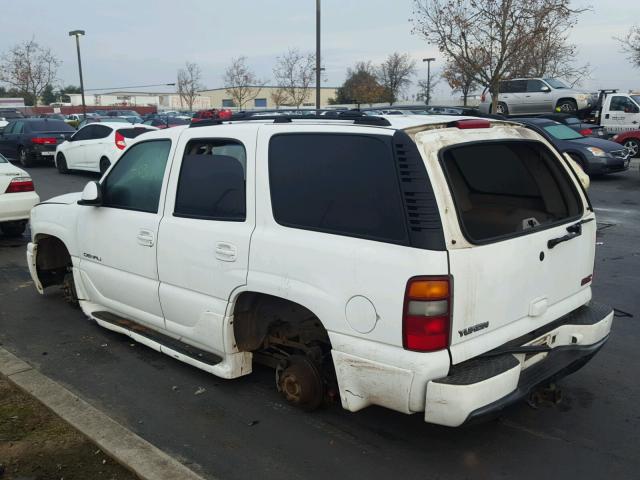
(471, 123)
(120, 142)
(586, 132)
(20, 184)
(483, 98)
(44, 140)
(426, 319)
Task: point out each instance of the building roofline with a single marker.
(263, 86)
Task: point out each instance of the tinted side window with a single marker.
(212, 181)
(84, 133)
(518, 86)
(534, 86)
(135, 181)
(9, 128)
(341, 184)
(18, 127)
(100, 131)
(505, 87)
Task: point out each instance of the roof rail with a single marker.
(358, 118)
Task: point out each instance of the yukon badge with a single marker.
(473, 329)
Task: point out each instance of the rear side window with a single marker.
(100, 131)
(504, 189)
(135, 181)
(212, 181)
(132, 132)
(340, 184)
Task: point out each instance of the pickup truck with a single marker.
(618, 112)
(370, 259)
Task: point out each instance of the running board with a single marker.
(190, 351)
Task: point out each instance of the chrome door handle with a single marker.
(145, 238)
(226, 252)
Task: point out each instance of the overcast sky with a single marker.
(140, 42)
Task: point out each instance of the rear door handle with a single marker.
(145, 238)
(227, 252)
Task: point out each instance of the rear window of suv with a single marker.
(337, 183)
(508, 188)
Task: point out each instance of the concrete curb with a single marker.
(124, 446)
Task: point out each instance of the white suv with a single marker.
(434, 264)
(96, 146)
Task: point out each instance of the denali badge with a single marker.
(92, 257)
(473, 328)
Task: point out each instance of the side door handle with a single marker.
(227, 252)
(145, 238)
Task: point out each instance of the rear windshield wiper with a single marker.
(574, 230)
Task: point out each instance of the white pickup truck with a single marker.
(619, 112)
(440, 265)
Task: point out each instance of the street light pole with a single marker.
(77, 34)
(318, 62)
(428, 60)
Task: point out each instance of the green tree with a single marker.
(361, 86)
(64, 91)
(48, 95)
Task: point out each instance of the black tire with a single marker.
(633, 146)
(104, 165)
(301, 384)
(567, 106)
(23, 158)
(61, 164)
(13, 229)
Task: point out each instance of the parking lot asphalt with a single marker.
(242, 429)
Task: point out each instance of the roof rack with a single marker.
(358, 118)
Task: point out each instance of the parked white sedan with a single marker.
(17, 198)
(96, 146)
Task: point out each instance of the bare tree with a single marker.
(29, 68)
(490, 37)
(551, 54)
(189, 83)
(395, 73)
(425, 88)
(279, 97)
(631, 45)
(294, 73)
(460, 80)
(241, 83)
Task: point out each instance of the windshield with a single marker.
(128, 113)
(555, 83)
(2, 159)
(636, 98)
(562, 132)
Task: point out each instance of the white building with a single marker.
(162, 101)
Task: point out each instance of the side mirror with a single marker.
(545, 89)
(91, 195)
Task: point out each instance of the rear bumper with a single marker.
(16, 206)
(487, 384)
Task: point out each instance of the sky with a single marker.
(144, 42)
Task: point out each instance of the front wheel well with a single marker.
(53, 260)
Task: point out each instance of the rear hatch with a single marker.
(519, 230)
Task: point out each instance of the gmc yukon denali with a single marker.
(440, 265)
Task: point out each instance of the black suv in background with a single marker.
(29, 140)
